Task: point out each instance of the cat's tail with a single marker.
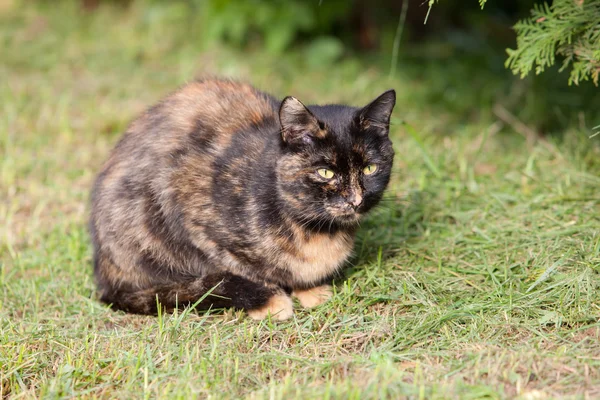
(221, 290)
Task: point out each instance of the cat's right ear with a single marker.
(298, 124)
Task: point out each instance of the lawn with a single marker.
(478, 277)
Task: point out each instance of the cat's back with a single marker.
(172, 147)
(210, 111)
(221, 105)
(189, 128)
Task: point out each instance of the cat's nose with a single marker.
(355, 199)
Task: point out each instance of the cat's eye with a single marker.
(325, 173)
(370, 169)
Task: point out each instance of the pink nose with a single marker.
(355, 199)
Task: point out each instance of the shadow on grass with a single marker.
(394, 221)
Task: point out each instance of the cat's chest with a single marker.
(319, 256)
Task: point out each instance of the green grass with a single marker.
(477, 278)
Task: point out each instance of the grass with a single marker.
(477, 278)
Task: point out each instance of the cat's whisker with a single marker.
(331, 224)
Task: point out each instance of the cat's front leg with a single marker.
(279, 306)
(314, 296)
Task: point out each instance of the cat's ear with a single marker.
(298, 124)
(377, 113)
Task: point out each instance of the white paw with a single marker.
(313, 297)
(279, 306)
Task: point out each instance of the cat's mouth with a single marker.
(345, 216)
(350, 219)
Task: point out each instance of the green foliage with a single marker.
(278, 24)
(432, 2)
(275, 22)
(569, 28)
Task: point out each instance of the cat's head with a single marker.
(336, 159)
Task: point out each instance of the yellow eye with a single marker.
(370, 169)
(325, 173)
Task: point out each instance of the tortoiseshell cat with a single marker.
(223, 187)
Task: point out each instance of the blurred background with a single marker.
(450, 54)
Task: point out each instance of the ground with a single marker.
(477, 277)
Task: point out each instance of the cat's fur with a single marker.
(216, 188)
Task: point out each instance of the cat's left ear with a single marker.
(298, 124)
(378, 112)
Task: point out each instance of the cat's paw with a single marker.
(313, 297)
(280, 307)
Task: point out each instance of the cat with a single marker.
(222, 196)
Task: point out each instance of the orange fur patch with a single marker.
(320, 256)
(280, 307)
(313, 297)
